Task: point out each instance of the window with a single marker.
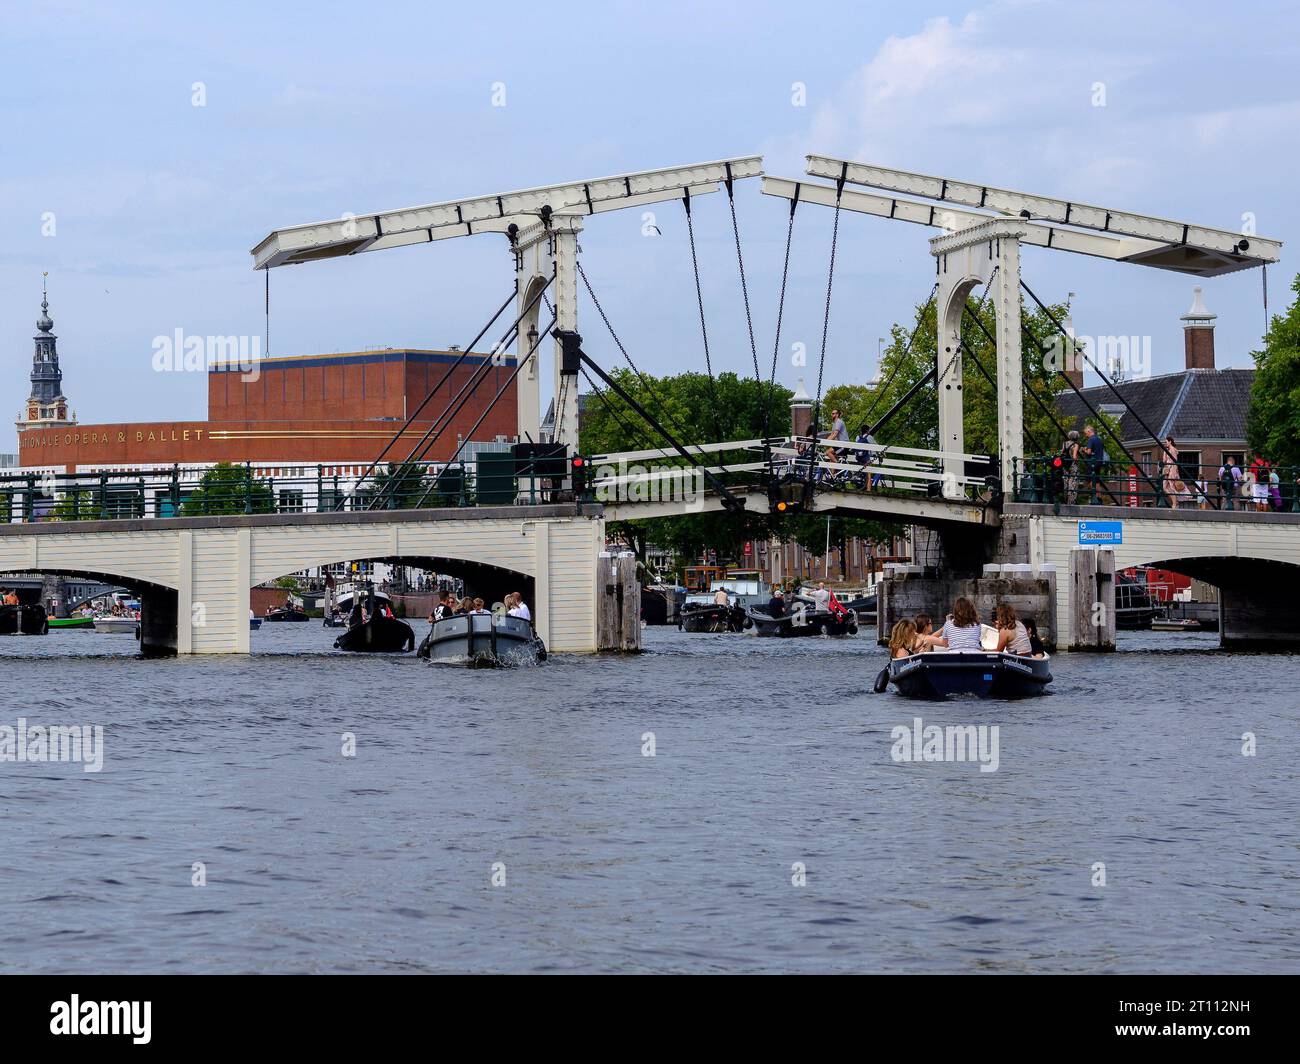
(1189, 467)
(1146, 462)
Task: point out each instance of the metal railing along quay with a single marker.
(1048, 479)
(105, 495)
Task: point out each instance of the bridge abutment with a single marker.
(912, 589)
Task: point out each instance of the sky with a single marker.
(143, 206)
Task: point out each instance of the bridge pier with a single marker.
(158, 629)
(1260, 616)
(911, 590)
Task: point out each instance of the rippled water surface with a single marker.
(768, 753)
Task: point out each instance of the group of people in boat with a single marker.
(450, 606)
(824, 601)
(962, 631)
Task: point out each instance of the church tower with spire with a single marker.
(47, 406)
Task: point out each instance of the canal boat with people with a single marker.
(800, 617)
(483, 640)
(1005, 660)
(22, 618)
(373, 628)
(724, 607)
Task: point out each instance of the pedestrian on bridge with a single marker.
(1259, 471)
(1095, 453)
(1170, 474)
(1070, 462)
(1229, 482)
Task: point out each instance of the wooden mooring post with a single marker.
(1092, 599)
(618, 596)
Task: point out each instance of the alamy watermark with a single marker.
(955, 742)
(182, 353)
(636, 483)
(38, 743)
(1121, 357)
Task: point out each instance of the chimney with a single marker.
(800, 410)
(1198, 333)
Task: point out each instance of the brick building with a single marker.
(332, 410)
(1202, 407)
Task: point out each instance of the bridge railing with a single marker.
(1051, 479)
(649, 475)
(106, 495)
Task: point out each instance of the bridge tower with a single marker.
(544, 250)
(978, 255)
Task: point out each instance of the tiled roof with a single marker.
(1189, 405)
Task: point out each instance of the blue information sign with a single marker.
(1101, 533)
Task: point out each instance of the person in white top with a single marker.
(822, 597)
(516, 607)
(720, 597)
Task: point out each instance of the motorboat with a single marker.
(254, 623)
(81, 621)
(340, 602)
(286, 613)
(744, 589)
(484, 640)
(374, 629)
(938, 674)
(713, 617)
(108, 625)
(26, 618)
(985, 673)
(802, 618)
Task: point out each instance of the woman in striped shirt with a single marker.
(961, 631)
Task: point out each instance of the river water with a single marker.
(772, 830)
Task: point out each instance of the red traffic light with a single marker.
(1057, 462)
(578, 462)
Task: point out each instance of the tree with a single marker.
(1273, 420)
(399, 486)
(917, 423)
(229, 489)
(77, 505)
(694, 409)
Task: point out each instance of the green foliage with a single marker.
(399, 486)
(1273, 423)
(229, 489)
(76, 506)
(917, 423)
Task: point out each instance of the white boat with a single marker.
(116, 625)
